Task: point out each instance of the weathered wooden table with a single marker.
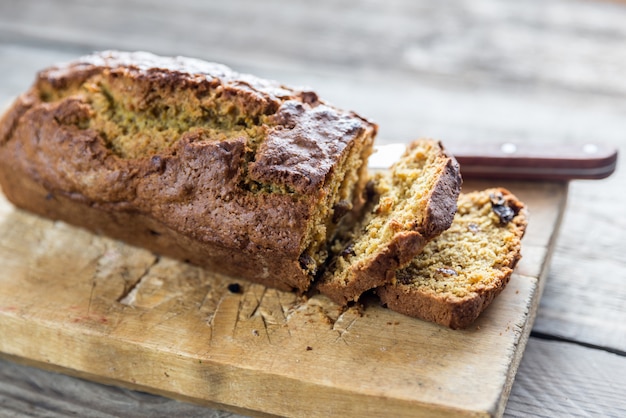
(545, 72)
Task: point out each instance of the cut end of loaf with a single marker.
(414, 202)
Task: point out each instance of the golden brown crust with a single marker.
(412, 295)
(238, 202)
(436, 216)
(300, 151)
(377, 271)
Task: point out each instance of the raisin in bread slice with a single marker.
(412, 203)
(460, 272)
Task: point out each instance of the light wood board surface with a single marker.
(96, 308)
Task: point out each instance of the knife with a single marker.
(518, 161)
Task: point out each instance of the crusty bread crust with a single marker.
(433, 218)
(411, 294)
(246, 184)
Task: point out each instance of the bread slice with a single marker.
(459, 273)
(413, 202)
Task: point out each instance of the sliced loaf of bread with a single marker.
(411, 203)
(459, 273)
(189, 159)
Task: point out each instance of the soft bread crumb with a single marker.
(415, 201)
(460, 272)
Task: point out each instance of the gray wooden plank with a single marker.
(585, 297)
(29, 391)
(557, 379)
(572, 44)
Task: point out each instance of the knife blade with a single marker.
(519, 161)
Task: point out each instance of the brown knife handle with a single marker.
(519, 161)
(526, 161)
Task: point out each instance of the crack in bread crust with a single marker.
(233, 172)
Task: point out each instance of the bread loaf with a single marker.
(412, 203)
(460, 272)
(188, 159)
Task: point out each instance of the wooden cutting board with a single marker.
(95, 308)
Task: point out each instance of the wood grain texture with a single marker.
(543, 72)
(585, 297)
(33, 392)
(591, 387)
(116, 314)
(559, 379)
(578, 41)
